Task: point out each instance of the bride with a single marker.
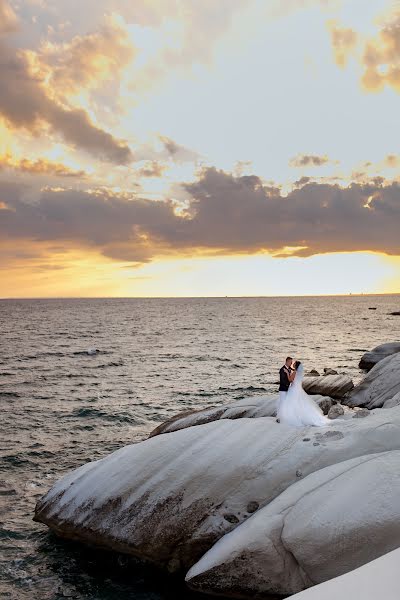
(297, 408)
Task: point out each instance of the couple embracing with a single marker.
(295, 407)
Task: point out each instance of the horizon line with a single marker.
(347, 295)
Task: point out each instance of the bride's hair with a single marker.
(297, 364)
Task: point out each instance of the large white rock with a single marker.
(335, 386)
(170, 498)
(377, 579)
(317, 529)
(369, 359)
(250, 408)
(254, 407)
(380, 385)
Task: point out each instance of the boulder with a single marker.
(360, 414)
(324, 402)
(335, 386)
(312, 373)
(330, 372)
(169, 498)
(381, 384)
(319, 528)
(395, 313)
(259, 406)
(336, 411)
(369, 359)
(377, 579)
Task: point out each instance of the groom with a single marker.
(284, 373)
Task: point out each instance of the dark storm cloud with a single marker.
(226, 214)
(24, 103)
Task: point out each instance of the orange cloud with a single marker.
(84, 62)
(25, 102)
(41, 166)
(381, 57)
(343, 42)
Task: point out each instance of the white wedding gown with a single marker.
(298, 408)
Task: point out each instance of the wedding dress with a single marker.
(298, 408)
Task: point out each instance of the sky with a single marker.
(199, 148)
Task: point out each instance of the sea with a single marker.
(80, 378)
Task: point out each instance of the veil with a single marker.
(299, 373)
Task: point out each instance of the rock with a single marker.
(380, 384)
(376, 579)
(330, 372)
(335, 412)
(324, 402)
(335, 386)
(359, 414)
(319, 528)
(166, 499)
(372, 308)
(396, 313)
(395, 401)
(312, 373)
(252, 507)
(369, 359)
(259, 406)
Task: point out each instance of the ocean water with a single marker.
(61, 407)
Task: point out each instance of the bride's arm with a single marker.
(291, 376)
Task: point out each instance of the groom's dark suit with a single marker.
(284, 382)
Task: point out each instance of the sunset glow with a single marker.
(185, 148)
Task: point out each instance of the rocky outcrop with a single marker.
(335, 386)
(259, 406)
(251, 408)
(369, 359)
(377, 579)
(170, 498)
(295, 541)
(395, 401)
(381, 384)
(328, 371)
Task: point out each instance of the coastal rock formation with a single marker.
(395, 401)
(261, 406)
(335, 386)
(170, 498)
(295, 541)
(382, 383)
(369, 359)
(377, 579)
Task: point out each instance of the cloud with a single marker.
(40, 166)
(8, 20)
(225, 215)
(152, 169)
(343, 40)
(85, 61)
(177, 152)
(308, 160)
(381, 57)
(25, 103)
